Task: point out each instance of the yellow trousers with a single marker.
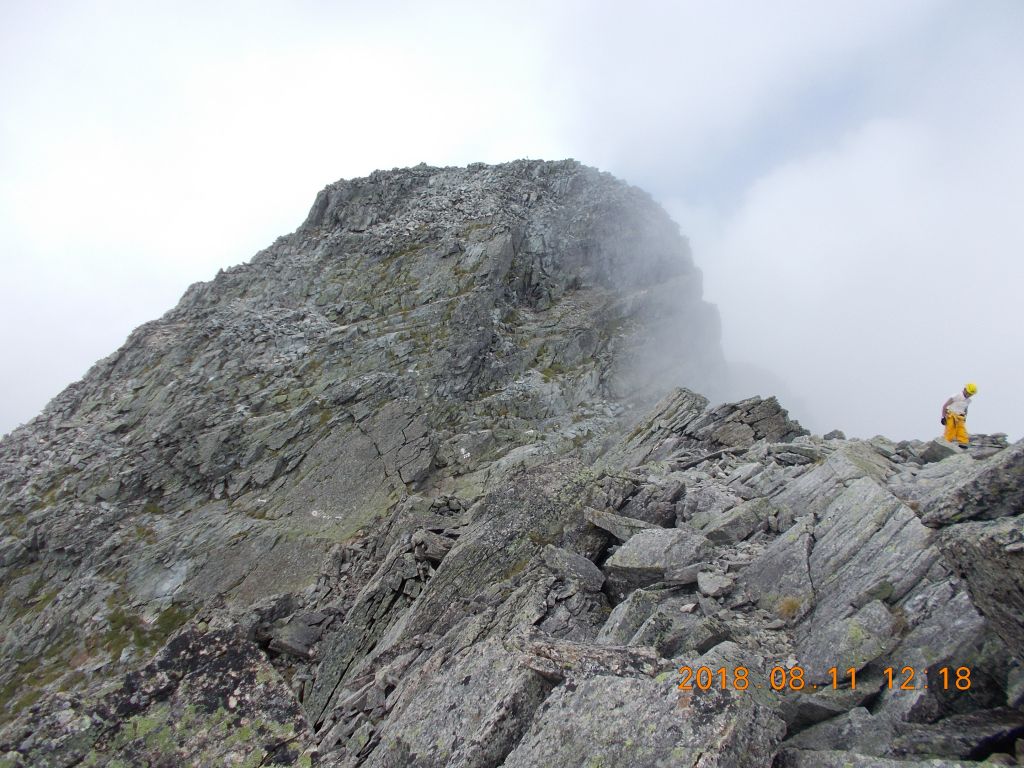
(956, 428)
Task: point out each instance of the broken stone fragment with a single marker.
(682, 576)
(628, 616)
(576, 567)
(714, 584)
(672, 631)
(705, 503)
(298, 636)
(984, 491)
(619, 526)
(650, 554)
(937, 450)
(12, 550)
(431, 546)
(737, 523)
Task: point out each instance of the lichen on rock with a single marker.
(429, 482)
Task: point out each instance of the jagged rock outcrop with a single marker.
(981, 516)
(397, 493)
(208, 697)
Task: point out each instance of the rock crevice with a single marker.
(421, 485)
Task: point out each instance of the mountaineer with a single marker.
(954, 415)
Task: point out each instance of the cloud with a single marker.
(877, 276)
(849, 177)
(833, 165)
(694, 97)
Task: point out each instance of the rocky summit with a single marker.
(429, 482)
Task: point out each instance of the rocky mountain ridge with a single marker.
(398, 492)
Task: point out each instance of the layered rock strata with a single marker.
(394, 494)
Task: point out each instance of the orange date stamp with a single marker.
(782, 678)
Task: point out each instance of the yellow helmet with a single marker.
(971, 388)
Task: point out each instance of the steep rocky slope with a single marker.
(398, 493)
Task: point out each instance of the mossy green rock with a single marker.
(205, 699)
(371, 498)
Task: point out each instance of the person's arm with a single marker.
(945, 405)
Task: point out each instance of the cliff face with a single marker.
(397, 492)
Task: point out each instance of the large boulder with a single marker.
(640, 721)
(650, 555)
(987, 491)
(980, 512)
(989, 557)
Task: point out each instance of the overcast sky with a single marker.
(850, 173)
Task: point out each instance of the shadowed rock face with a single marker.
(398, 493)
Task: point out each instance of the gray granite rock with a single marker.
(469, 709)
(848, 643)
(798, 758)
(737, 523)
(648, 555)
(780, 578)
(674, 631)
(986, 491)
(937, 450)
(989, 556)
(647, 722)
(706, 500)
(628, 616)
(714, 584)
(412, 459)
(622, 528)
